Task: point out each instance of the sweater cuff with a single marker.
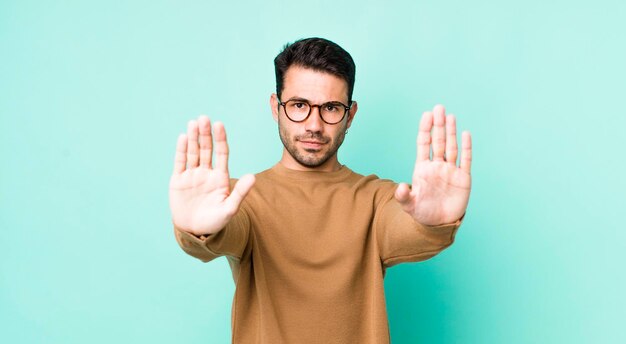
(191, 237)
(443, 232)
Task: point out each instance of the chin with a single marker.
(315, 161)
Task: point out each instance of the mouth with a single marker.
(311, 144)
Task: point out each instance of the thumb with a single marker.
(403, 193)
(239, 192)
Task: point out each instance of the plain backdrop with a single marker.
(94, 93)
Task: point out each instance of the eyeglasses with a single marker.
(298, 110)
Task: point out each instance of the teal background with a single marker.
(94, 93)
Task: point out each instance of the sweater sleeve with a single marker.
(401, 239)
(230, 241)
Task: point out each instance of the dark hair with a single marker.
(318, 54)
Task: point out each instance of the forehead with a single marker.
(314, 86)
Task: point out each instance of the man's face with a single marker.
(312, 144)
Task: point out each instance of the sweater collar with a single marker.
(334, 176)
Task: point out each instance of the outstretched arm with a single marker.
(201, 200)
(440, 189)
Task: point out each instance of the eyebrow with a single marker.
(308, 101)
(298, 98)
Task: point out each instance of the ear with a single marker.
(352, 113)
(274, 106)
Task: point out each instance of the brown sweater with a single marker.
(308, 252)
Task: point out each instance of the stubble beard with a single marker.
(311, 159)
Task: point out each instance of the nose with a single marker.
(314, 123)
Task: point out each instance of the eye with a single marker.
(297, 105)
(331, 108)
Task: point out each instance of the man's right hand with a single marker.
(200, 197)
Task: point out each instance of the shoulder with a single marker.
(379, 188)
(263, 176)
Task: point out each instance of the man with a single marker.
(308, 245)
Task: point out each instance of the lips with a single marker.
(311, 144)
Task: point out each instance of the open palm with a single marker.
(440, 189)
(200, 197)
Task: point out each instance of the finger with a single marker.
(451, 145)
(423, 137)
(466, 151)
(192, 144)
(239, 192)
(439, 138)
(403, 193)
(206, 141)
(180, 160)
(221, 146)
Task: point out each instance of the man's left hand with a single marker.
(440, 189)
